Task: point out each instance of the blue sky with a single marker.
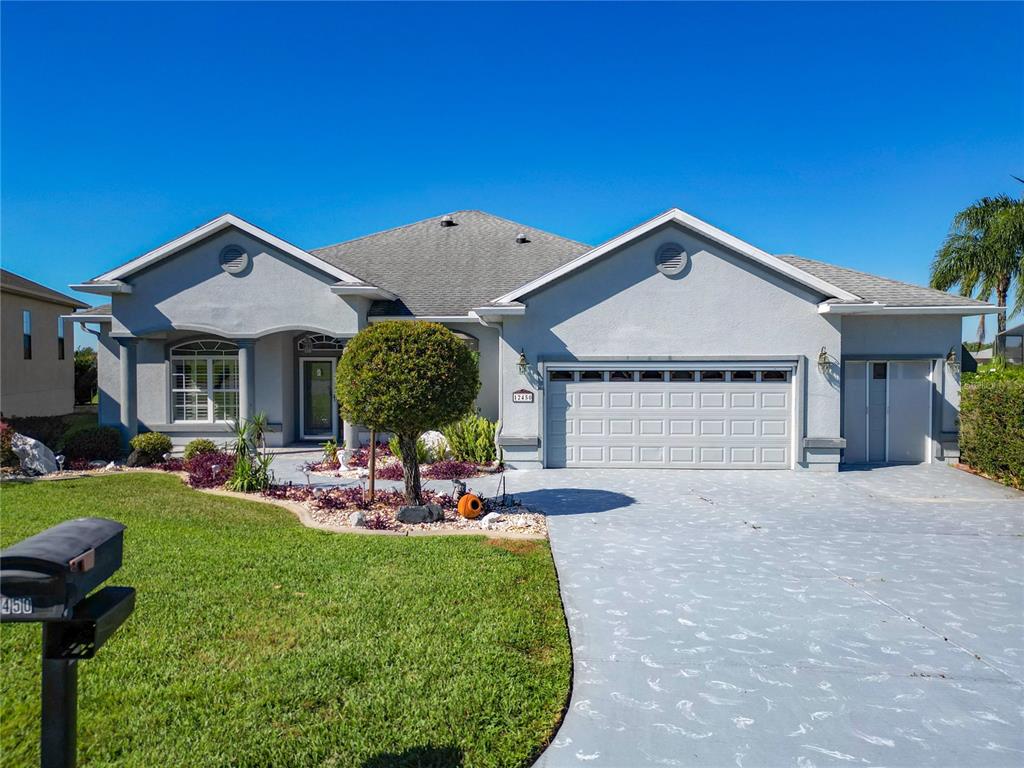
(844, 132)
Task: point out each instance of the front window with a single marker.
(204, 381)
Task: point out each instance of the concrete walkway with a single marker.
(788, 618)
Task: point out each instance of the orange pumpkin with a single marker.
(470, 506)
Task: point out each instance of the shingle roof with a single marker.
(99, 309)
(892, 293)
(447, 270)
(1015, 330)
(25, 287)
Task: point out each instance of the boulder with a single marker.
(487, 522)
(35, 458)
(357, 519)
(412, 515)
(437, 444)
(427, 513)
(138, 459)
(97, 464)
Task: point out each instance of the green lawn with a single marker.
(258, 642)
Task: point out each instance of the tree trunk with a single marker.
(1002, 290)
(410, 467)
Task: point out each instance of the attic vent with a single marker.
(447, 221)
(670, 259)
(521, 238)
(233, 259)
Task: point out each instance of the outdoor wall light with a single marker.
(951, 360)
(824, 361)
(523, 363)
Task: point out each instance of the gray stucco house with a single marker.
(672, 345)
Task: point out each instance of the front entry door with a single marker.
(318, 406)
(887, 411)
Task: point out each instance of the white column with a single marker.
(246, 378)
(127, 355)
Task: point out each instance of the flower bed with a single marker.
(334, 506)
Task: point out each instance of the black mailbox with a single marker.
(48, 578)
(43, 577)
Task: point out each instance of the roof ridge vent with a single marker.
(447, 220)
(522, 238)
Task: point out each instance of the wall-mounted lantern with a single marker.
(952, 361)
(824, 361)
(523, 363)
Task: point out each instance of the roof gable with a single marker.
(692, 223)
(210, 228)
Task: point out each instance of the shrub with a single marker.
(450, 469)
(93, 443)
(198, 447)
(406, 378)
(992, 425)
(173, 464)
(7, 457)
(361, 456)
(471, 438)
(210, 470)
(152, 445)
(423, 453)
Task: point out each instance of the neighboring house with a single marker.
(674, 344)
(1010, 344)
(38, 348)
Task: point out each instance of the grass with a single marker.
(257, 642)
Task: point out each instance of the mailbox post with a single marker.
(48, 578)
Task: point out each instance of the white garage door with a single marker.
(704, 418)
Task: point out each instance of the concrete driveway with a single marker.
(788, 618)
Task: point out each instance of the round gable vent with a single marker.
(670, 259)
(233, 259)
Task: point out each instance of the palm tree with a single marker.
(984, 253)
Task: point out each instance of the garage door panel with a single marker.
(712, 399)
(670, 423)
(682, 427)
(681, 399)
(621, 427)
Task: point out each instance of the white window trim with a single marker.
(210, 406)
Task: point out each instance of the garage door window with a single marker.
(560, 376)
(712, 375)
(591, 375)
(680, 375)
(774, 375)
(620, 376)
(742, 376)
(652, 375)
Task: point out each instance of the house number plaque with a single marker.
(522, 396)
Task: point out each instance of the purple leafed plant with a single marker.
(172, 464)
(390, 472)
(210, 470)
(449, 469)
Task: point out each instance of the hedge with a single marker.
(992, 426)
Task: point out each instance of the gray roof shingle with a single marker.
(25, 287)
(892, 293)
(446, 271)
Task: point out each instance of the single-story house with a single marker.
(37, 377)
(674, 344)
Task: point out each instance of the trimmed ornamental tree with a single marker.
(406, 378)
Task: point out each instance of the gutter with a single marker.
(877, 308)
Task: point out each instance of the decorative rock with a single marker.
(487, 521)
(357, 519)
(138, 459)
(35, 458)
(413, 515)
(363, 472)
(435, 512)
(112, 466)
(437, 444)
(97, 464)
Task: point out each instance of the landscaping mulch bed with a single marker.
(334, 506)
